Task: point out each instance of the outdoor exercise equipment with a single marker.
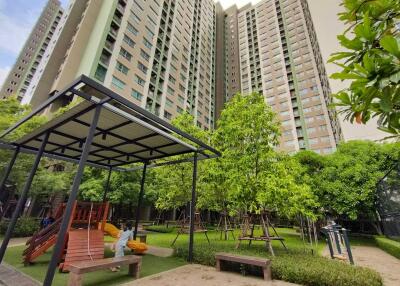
(224, 226)
(247, 232)
(184, 226)
(136, 246)
(338, 242)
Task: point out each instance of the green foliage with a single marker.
(371, 62)
(304, 269)
(255, 176)
(159, 228)
(345, 181)
(389, 245)
(26, 226)
(174, 182)
(46, 181)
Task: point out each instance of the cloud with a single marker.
(16, 25)
(3, 74)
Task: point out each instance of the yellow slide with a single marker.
(138, 247)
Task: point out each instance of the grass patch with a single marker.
(388, 245)
(150, 265)
(159, 228)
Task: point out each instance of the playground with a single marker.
(266, 230)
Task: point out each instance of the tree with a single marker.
(258, 178)
(174, 182)
(371, 62)
(345, 181)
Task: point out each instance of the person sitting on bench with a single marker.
(126, 234)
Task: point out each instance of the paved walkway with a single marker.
(198, 275)
(380, 261)
(160, 251)
(18, 241)
(9, 276)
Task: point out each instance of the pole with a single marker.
(192, 208)
(22, 198)
(141, 193)
(107, 185)
(9, 168)
(7, 174)
(71, 200)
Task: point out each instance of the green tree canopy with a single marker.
(257, 177)
(371, 62)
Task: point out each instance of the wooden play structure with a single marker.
(247, 232)
(224, 226)
(184, 226)
(84, 239)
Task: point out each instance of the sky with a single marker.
(17, 18)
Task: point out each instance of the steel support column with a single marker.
(71, 200)
(9, 168)
(192, 208)
(22, 198)
(140, 200)
(7, 174)
(107, 185)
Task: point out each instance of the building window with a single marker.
(147, 43)
(120, 67)
(129, 41)
(139, 80)
(117, 83)
(169, 102)
(167, 115)
(142, 67)
(144, 55)
(132, 29)
(125, 54)
(136, 94)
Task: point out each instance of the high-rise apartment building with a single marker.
(20, 76)
(159, 54)
(271, 48)
(172, 56)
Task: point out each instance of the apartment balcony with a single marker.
(121, 8)
(113, 32)
(109, 45)
(105, 60)
(117, 19)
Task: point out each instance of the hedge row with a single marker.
(159, 228)
(390, 246)
(24, 227)
(304, 269)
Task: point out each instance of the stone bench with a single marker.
(264, 263)
(77, 269)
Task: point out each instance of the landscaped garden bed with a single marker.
(298, 265)
(389, 245)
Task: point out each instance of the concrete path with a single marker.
(199, 275)
(18, 241)
(380, 261)
(9, 276)
(160, 251)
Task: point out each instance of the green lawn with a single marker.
(151, 265)
(292, 241)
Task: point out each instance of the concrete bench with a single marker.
(264, 263)
(77, 269)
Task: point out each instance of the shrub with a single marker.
(304, 269)
(389, 245)
(25, 226)
(159, 228)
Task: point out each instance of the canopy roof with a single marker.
(125, 133)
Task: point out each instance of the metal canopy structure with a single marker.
(105, 130)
